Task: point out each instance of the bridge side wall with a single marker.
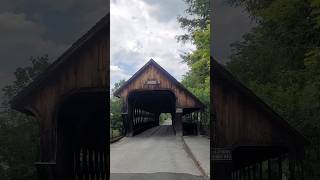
(87, 69)
(241, 121)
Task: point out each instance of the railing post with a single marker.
(178, 121)
(130, 121)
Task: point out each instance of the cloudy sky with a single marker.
(144, 29)
(34, 28)
(140, 30)
(229, 25)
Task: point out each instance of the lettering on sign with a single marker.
(221, 154)
(152, 82)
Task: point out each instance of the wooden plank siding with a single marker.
(240, 121)
(153, 71)
(245, 130)
(243, 119)
(83, 67)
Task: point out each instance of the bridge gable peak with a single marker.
(153, 77)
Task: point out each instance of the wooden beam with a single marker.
(280, 167)
(269, 170)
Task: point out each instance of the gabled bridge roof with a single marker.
(153, 71)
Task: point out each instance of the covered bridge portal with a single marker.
(70, 100)
(152, 91)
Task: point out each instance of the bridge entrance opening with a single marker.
(165, 119)
(145, 107)
(82, 136)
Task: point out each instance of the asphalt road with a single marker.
(154, 154)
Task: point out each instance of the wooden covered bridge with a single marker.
(152, 91)
(70, 100)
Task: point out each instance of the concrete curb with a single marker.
(116, 139)
(193, 157)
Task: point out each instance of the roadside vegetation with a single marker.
(19, 134)
(280, 60)
(116, 125)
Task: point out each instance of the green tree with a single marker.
(19, 134)
(279, 60)
(115, 109)
(197, 79)
(164, 116)
(198, 17)
(197, 24)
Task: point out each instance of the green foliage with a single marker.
(197, 79)
(115, 109)
(198, 12)
(25, 75)
(117, 85)
(163, 117)
(19, 134)
(279, 60)
(115, 113)
(19, 146)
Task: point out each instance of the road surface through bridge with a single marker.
(154, 154)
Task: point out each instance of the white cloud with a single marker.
(117, 74)
(137, 35)
(114, 68)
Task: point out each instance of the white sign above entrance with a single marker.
(152, 82)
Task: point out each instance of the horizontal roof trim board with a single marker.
(40, 80)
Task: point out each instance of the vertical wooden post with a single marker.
(198, 133)
(241, 174)
(134, 117)
(292, 165)
(246, 172)
(138, 116)
(269, 170)
(254, 171)
(130, 121)
(280, 167)
(260, 171)
(178, 124)
(236, 175)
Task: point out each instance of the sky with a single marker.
(228, 26)
(145, 29)
(140, 30)
(35, 28)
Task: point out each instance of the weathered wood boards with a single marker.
(153, 77)
(82, 69)
(156, 91)
(245, 126)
